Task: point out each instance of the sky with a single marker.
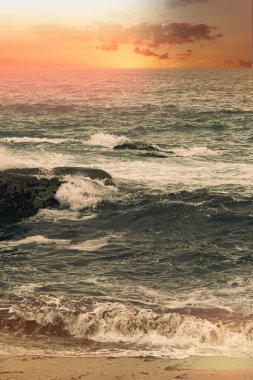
(78, 34)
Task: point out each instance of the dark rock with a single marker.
(22, 195)
(154, 155)
(24, 171)
(24, 191)
(136, 146)
(85, 172)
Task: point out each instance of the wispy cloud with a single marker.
(142, 34)
(245, 64)
(183, 3)
(150, 53)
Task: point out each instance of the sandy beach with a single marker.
(195, 368)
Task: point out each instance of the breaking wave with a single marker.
(118, 323)
(108, 140)
(38, 239)
(10, 159)
(195, 151)
(79, 193)
(34, 140)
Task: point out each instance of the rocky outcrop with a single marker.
(137, 146)
(22, 195)
(24, 191)
(96, 174)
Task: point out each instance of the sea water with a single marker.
(159, 264)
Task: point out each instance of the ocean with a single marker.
(158, 264)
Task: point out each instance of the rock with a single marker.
(23, 195)
(24, 191)
(154, 155)
(24, 171)
(136, 146)
(85, 172)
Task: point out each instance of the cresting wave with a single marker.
(34, 140)
(79, 193)
(195, 151)
(108, 140)
(173, 333)
(86, 246)
(10, 159)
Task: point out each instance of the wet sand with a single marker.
(53, 368)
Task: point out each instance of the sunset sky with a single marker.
(125, 33)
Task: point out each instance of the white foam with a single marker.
(37, 239)
(106, 139)
(55, 216)
(90, 245)
(36, 140)
(10, 159)
(26, 289)
(181, 173)
(78, 193)
(195, 151)
(168, 334)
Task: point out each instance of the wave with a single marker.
(37, 239)
(87, 245)
(182, 174)
(78, 193)
(56, 216)
(10, 159)
(90, 245)
(117, 323)
(34, 140)
(106, 139)
(195, 151)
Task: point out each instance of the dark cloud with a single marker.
(245, 64)
(153, 35)
(150, 53)
(183, 3)
(145, 36)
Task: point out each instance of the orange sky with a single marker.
(125, 34)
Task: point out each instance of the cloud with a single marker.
(150, 53)
(184, 56)
(183, 3)
(144, 34)
(238, 63)
(245, 64)
(154, 35)
(111, 46)
(146, 37)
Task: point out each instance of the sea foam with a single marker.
(79, 193)
(37, 239)
(34, 140)
(195, 151)
(106, 139)
(174, 334)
